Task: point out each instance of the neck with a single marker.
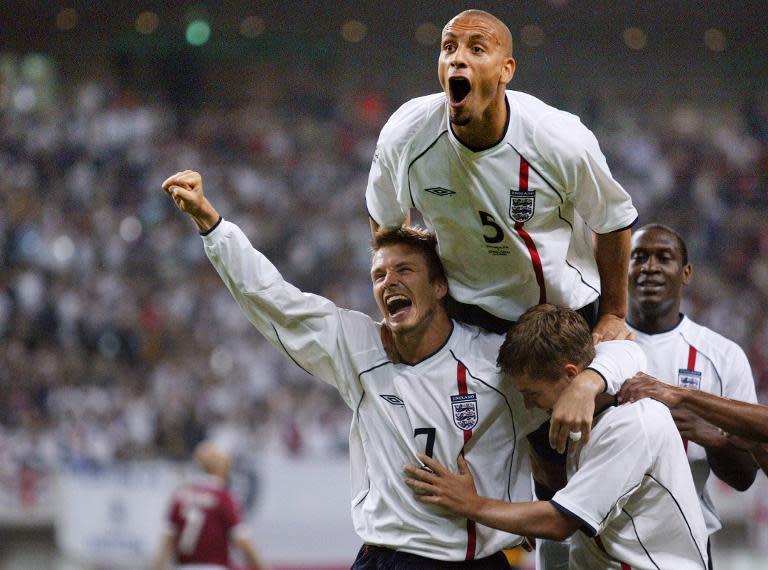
(416, 345)
(488, 130)
(652, 321)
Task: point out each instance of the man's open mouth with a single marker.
(397, 303)
(459, 88)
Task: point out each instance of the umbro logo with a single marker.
(394, 400)
(438, 191)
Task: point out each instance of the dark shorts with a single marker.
(473, 315)
(378, 558)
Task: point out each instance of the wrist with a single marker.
(590, 381)
(206, 217)
(476, 508)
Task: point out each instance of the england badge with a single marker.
(689, 379)
(521, 205)
(464, 411)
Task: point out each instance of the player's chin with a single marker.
(459, 117)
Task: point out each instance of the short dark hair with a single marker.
(544, 340)
(666, 229)
(418, 239)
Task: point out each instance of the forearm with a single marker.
(165, 554)
(538, 519)
(612, 257)
(254, 562)
(732, 465)
(739, 418)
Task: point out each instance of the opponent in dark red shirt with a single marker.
(204, 518)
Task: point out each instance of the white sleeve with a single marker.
(736, 376)
(616, 361)
(611, 467)
(381, 193)
(313, 332)
(388, 175)
(579, 166)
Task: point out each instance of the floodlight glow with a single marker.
(198, 32)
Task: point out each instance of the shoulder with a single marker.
(477, 347)
(719, 349)
(420, 117)
(645, 418)
(552, 130)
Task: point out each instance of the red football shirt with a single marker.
(202, 516)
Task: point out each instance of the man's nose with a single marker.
(390, 278)
(650, 264)
(458, 57)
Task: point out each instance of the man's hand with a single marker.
(611, 327)
(441, 487)
(641, 385)
(693, 428)
(574, 409)
(186, 189)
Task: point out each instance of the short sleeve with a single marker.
(738, 382)
(616, 361)
(173, 520)
(230, 511)
(381, 192)
(611, 468)
(577, 163)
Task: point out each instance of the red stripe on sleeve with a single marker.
(538, 268)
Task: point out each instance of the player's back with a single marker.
(203, 514)
(641, 508)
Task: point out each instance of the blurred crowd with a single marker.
(118, 340)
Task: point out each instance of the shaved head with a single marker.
(213, 460)
(503, 35)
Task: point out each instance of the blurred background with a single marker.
(120, 349)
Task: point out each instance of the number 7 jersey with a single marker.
(454, 401)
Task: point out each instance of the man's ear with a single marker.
(507, 70)
(441, 288)
(571, 370)
(687, 274)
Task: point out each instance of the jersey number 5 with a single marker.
(487, 220)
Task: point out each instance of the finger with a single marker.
(190, 178)
(420, 473)
(170, 180)
(586, 430)
(433, 464)
(419, 487)
(610, 335)
(431, 499)
(181, 193)
(558, 435)
(596, 338)
(462, 463)
(631, 336)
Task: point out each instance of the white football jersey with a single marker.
(514, 222)
(632, 491)
(697, 358)
(452, 401)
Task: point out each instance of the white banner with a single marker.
(299, 517)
